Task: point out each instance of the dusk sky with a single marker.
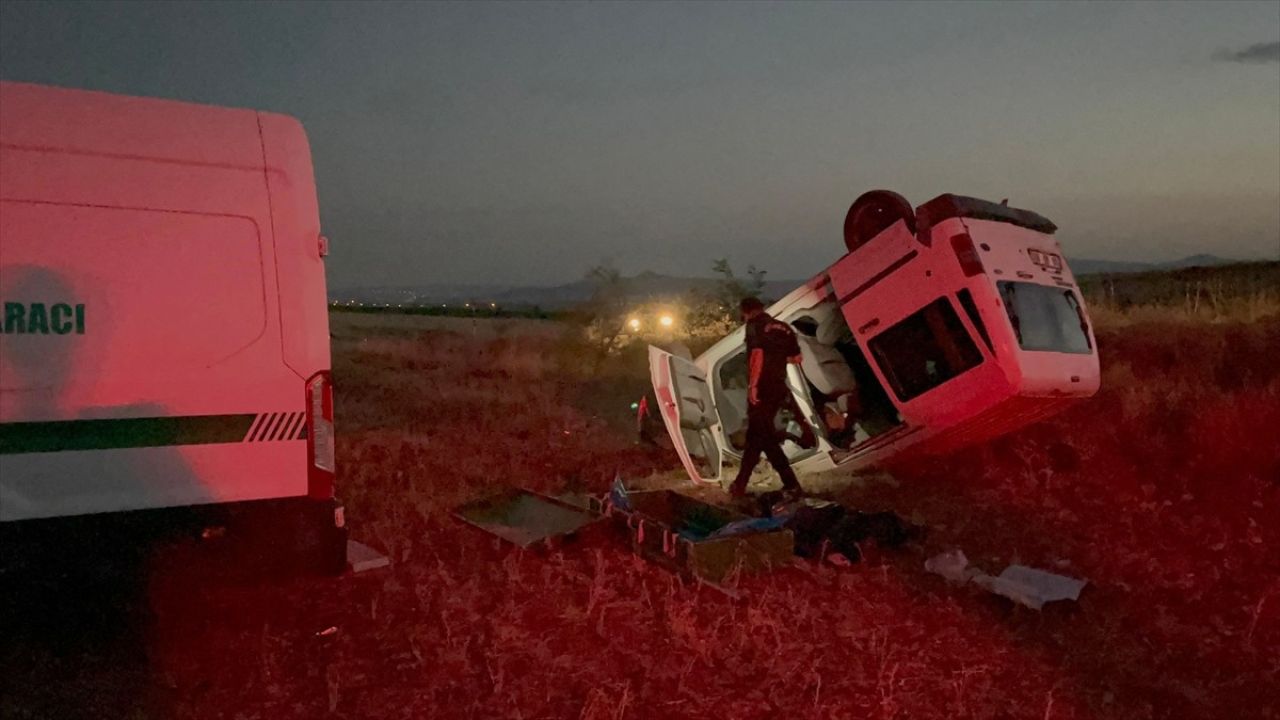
(522, 143)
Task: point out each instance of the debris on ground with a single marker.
(839, 560)
(695, 538)
(362, 558)
(1023, 585)
(749, 525)
(618, 495)
(1032, 587)
(525, 518)
(825, 529)
(952, 565)
(710, 543)
(699, 539)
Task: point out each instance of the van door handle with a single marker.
(870, 325)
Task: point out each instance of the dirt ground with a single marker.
(1162, 491)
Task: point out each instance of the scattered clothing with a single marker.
(1023, 585)
(821, 529)
(618, 496)
(1031, 587)
(750, 525)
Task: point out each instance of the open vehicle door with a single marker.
(689, 412)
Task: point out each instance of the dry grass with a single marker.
(1159, 500)
(1161, 491)
(1239, 293)
(1248, 308)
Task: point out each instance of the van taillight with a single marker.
(320, 440)
(970, 263)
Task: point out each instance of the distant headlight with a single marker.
(634, 323)
(666, 321)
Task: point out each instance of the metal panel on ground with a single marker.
(524, 517)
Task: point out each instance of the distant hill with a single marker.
(649, 285)
(1096, 267)
(645, 286)
(1201, 260)
(1084, 266)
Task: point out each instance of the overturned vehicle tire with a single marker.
(874, 212)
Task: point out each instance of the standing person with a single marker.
(771, 345)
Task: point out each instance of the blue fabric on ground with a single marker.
(750, 525)
(618, 495)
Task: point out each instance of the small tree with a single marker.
(603, 316)
(707, 313)
(730, 289)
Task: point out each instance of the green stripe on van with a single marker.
(58, 436)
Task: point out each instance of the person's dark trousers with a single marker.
(762, 437)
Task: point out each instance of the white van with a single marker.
(164, 337)
(941, 326)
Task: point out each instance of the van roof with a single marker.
(42, 117)
(950, 206)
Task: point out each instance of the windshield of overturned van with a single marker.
(1046, 318)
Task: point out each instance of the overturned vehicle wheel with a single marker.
(874, 212)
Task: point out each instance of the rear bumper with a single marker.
(299, 531)
(1059, 375)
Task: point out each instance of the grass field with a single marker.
(1162, 491)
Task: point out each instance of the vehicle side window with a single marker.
(925, 350)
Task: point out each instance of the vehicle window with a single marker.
(733, 373)
(731, 398)
(1046, 318)
(970, 309)
(925, 350)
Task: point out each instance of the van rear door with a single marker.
(169, 311)
(900, 298)
(689, 412)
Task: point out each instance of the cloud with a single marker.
(1256, 54)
